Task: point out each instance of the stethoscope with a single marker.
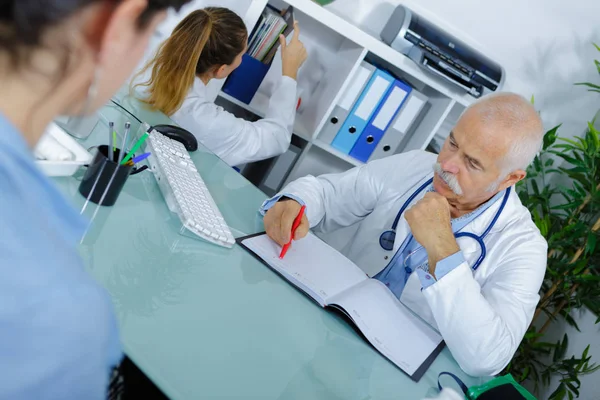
(387, 238)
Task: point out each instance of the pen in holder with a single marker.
(105, 178)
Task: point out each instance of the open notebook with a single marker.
(334, 281)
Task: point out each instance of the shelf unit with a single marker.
(337, 48)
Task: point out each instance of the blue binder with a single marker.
(380, 121)
(362, 111)
(245, 80)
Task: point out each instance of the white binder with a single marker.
(411, 112)
(340, 112)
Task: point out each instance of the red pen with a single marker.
(295, 225)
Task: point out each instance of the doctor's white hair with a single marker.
(515, 115)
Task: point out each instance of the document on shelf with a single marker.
(333, 281)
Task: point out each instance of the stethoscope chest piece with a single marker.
(387, 239)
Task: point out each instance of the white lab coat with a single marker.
(235, 140)
(482, 315)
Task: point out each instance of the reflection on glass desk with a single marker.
(206, 322)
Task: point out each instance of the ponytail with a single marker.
(204, 40)
(174, 67)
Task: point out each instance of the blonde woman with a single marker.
(209, 44)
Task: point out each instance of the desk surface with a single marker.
(207, 322)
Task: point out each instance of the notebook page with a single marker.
(392, 329)
(317, 266)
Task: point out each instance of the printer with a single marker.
(442, 54)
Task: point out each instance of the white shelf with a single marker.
(315, 161)
(336, 49)
(332, 150)
(250, 107)
(258, 107)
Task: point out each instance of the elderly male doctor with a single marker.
(481, 301)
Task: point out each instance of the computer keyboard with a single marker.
(185, 192)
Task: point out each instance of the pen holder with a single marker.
(105, 178)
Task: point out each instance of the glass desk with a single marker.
(205, 322)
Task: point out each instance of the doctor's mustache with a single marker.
(450, 179)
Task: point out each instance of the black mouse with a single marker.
(179, 134)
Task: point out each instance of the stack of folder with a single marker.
(262, 47)
(374, 115)
(265, 39)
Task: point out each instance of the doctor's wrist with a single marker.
(285, 198)
(440, 251)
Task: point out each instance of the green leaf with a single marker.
(592, 369)
(564, 345)
(592, 142)
(549, 162)
(570, 395)
(559, 393)
(566, 206)
(579, 267)
(593, 88)
(595, 136)
(596, 46)
(573, 171)
(573, 389)
(537, 165)
(533, 335)
(532, 100)
(550, 137)
(589, 278)
(591, 243)
(577, 154)
(585, 352)
(566, 146)
(580, 190)
(559, 350)
(535, 187)
(597, 65)
(593, 305)
(569, 319)
(525, 373)
(572, 142)
(569, 159)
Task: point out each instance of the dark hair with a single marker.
(24, 22)
(226, 37)
(204, 40)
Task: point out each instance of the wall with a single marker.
(239, 6)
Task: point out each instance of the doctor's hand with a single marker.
(279, 219)
(293, 54)
(429, 221)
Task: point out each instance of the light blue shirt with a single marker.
(411, 256)
(58, 333)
